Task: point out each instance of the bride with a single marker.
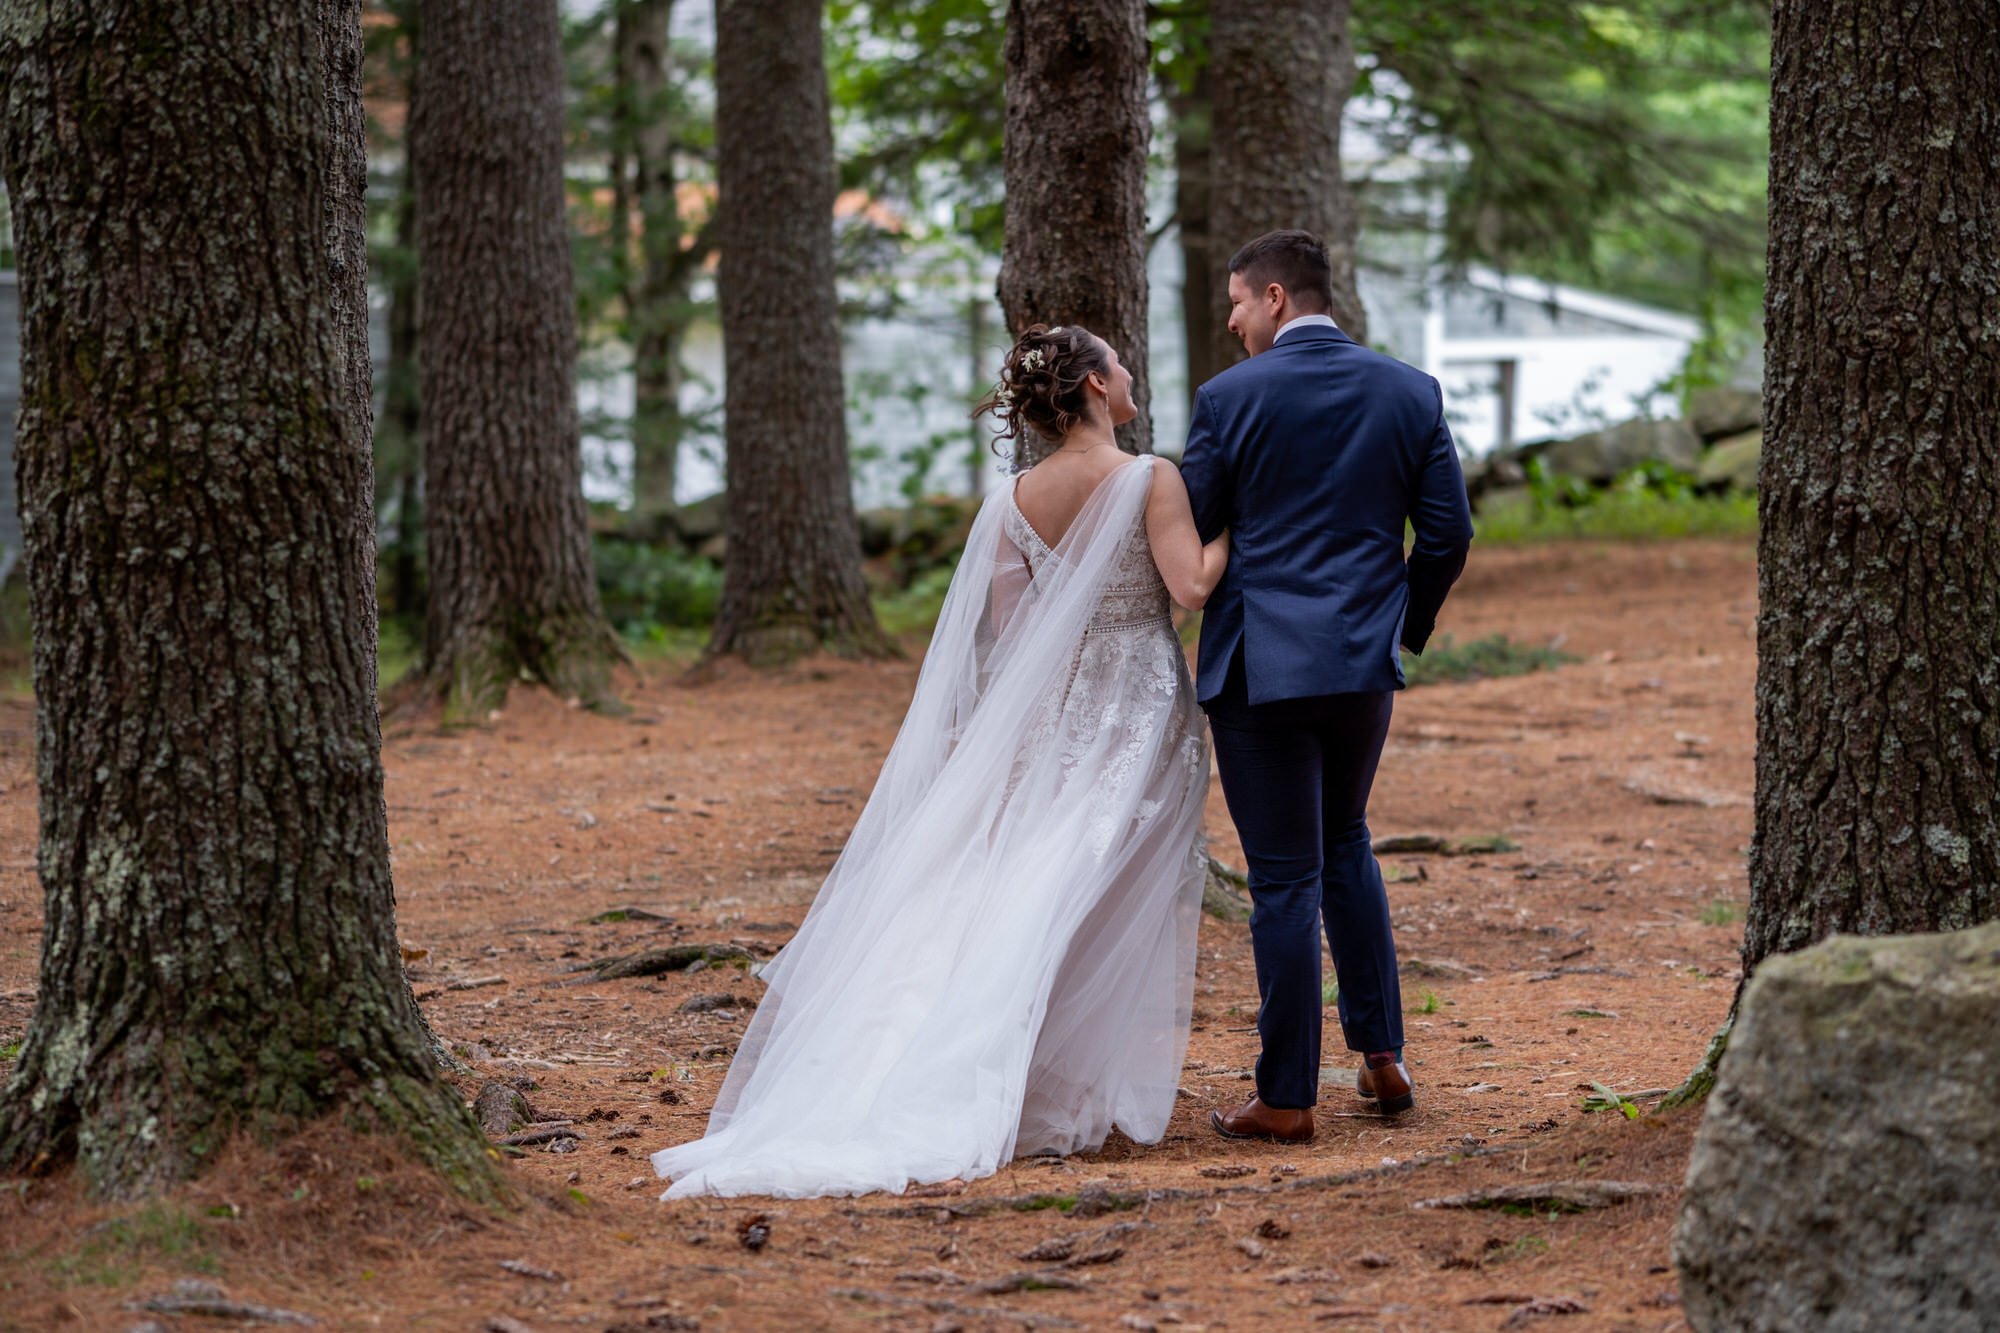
(1001, 962)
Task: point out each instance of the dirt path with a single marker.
(1603, 950)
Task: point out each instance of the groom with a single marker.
(1313, 453)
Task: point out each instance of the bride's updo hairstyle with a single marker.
(1041, 395)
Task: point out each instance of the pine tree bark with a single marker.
(1193, 113)
(513, 592)
(402, 410)
(656, 294)
(1281, 72)
(1075, 164)
(1878, 643)
(219, 952)
(792, 577)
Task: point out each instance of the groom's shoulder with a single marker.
(1258, 374)
(1246, 376)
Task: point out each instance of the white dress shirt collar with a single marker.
(1305, 322)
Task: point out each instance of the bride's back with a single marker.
(1054, 491)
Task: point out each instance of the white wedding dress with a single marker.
(1001, 962)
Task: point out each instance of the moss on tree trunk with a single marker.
(513, 594)
(1280, 73)
(1878, 559)
(1878, 633)
(219, 953)
(792, 577)
(1075, 162)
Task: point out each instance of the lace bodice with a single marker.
(1138, 598)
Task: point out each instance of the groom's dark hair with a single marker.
(1296, 261)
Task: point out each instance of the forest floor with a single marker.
(1603, 950)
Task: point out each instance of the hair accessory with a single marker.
(1032, 359)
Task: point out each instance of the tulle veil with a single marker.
(1001, 959)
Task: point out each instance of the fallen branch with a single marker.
(545, 1132)
(1094, 1200)
(521, 1268)
(1570, 1195)
(673, 958)
(192, 1297)
(952, 1307)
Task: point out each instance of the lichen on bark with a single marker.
(219, 952)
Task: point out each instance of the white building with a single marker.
(1521, 359)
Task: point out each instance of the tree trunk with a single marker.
(219, 952)
(512, 589)
(1075, 161)
(1878, 640)
(1281, 72)
(402, 417)
(792, 578)
(1193, 131)
(656, 296)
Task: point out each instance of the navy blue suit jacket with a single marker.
(1313, 455)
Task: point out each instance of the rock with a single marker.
(708, 1003)
(1732, 463)
(703, 520)
(878, 530)
(1505, 504)
(1499, 470)
(1720, 411)
(1603, 455)
(1846, 1175)
(501, 1110)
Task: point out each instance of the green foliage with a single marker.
(1622, 513)
(1523, 1247)
(114, 1252)
(651, 587)
(919, 107)
(1721, 912)
(1041, 1203)
(914, 610)
(11, 1051)
(1602, 1098)
(397, 651)
(1329, 993)
(1431, 1003)
(1618, 143)
(1447, 660)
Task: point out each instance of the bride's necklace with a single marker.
(1101, 444)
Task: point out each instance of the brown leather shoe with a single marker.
(1254, 1120)
(1388, 1085)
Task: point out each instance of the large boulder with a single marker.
(1602, 455)
(1847, 1173)
(1732, 464)
(703, 520)
(1722, 411)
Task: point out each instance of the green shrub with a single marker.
(1495, 655)
(914, 610)
(1653, 500)
(645, 588)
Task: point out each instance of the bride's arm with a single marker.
(1013, 576)
(1191, 570)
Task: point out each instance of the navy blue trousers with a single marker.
(1296, 774)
